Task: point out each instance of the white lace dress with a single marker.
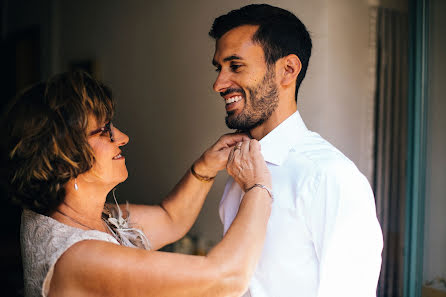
(44, 240)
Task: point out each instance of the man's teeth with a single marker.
(233, 99)
(117, 157)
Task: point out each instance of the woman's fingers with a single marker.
(246, 164)
(244, 148)
(231, 154)
(240, 162)
(254, 145)
(229, 140)
(216, 157)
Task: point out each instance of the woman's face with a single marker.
(109, 168)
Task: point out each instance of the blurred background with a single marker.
(156, 56)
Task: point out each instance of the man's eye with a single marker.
(218, 69)
(235, 67)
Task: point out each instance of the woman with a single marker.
(65, 157)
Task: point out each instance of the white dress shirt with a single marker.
(323, 237)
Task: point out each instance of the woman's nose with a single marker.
(120, 137)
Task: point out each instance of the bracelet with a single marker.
(200, 177)
(270, 192)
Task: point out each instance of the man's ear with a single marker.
(290, 67)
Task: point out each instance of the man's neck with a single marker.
(276, 118)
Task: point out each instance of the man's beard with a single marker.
(263, 100)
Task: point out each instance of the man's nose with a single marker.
(222, 82)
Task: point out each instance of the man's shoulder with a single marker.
(318, 155)
(316, 162)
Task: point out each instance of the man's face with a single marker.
(245, 81)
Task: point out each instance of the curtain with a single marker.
(391, 87)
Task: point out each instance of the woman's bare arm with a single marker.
(172, 219)
(103, 269)
(96, 268)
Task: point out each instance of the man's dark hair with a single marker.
(280, 33)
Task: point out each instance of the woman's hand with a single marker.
(247, 166)
(215, 158)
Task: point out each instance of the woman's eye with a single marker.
(104, 132)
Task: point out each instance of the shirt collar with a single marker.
(277, 144)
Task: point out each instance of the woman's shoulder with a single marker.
(43, 241)
(40, 230)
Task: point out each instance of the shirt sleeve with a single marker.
(346, 233)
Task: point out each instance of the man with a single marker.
(323, 236)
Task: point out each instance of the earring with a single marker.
(75, 185)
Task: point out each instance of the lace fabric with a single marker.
(44, 240)
(122, 230)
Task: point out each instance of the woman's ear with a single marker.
(290, 67)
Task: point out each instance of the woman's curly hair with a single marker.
(47, 137)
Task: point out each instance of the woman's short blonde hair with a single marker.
(47, 137)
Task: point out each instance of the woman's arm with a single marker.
(172, 219)
(103, 269)
(96, 268)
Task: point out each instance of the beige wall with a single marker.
(435, 219)
(156, 56)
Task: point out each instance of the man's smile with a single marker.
(233, 98)
(233, 101)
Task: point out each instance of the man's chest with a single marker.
(287, 230)
(288, 259)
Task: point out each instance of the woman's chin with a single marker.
(121, 179)
(126, 176)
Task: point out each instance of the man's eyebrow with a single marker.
(230, 58)
(233, 57)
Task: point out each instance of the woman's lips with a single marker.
(118, 157)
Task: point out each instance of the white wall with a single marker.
(156, 56)
(435, 222)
